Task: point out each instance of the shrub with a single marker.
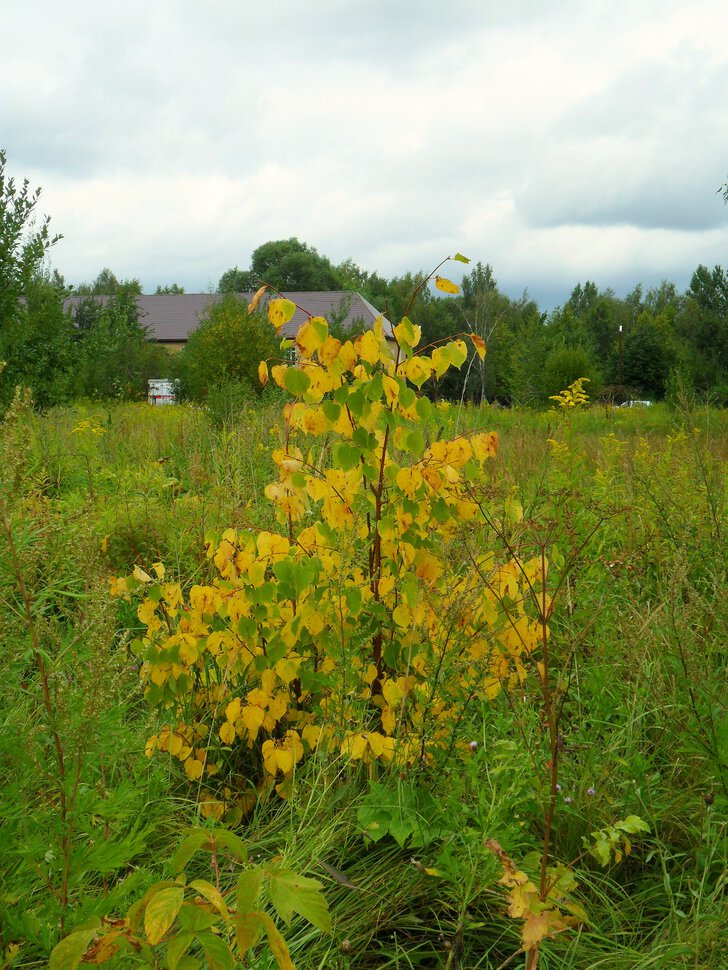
(224, 351)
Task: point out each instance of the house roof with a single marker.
(171, 318)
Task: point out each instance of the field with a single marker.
(580, 797)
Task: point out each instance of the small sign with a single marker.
(161, 392)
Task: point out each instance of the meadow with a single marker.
(609, 756)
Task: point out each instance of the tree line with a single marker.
(651, 344)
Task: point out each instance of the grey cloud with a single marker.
(647, 151)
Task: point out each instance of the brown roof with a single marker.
(171, 318)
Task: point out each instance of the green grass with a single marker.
(645, 725)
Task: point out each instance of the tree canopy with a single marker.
(286, 264)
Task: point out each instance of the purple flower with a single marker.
(591, 791)
(558, 788)
(473, 745)
(567, 800)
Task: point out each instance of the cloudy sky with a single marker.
(559, 140)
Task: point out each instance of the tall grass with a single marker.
(645, 728)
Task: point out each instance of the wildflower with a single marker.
(591, 791)
(558, 787)
(473, 745)
(567, 800)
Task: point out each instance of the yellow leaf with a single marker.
(402, 616)
(193, 768)
(162, 912)
(535, 928)
(256, 298)
(252, 717)
(263, 372)
(329, 350)
(311, 734)
(377, 743)
(146, 611)
(141, 575)
(391, 690)
(417, 369)
(440, 360)
(355, 746)
(369, 674)
(479, 345)
(175, 744)
(213, 895)
(280, 311)
(520, 900)
(446, 286)
(277, 944)
(391, 389)
(389, 721)
(232, 711)
(270, 760)
(348, 356)
(407, 334)
(409, 481)
(311, 336)
(287, 670)
(227, 733)
(485, 445)
(367, 346)
(285, 760)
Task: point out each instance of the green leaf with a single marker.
(291, 893)
(296, 381)
(601, 851)
(400, 827)
(632, 824)
(356, 402)
(162, 911)
(194, 918)
(217, 951)
(332, 410)
(67, 954)
(187, 848)
(424, 409)
(177, 947)
(440, 510)
(407, 397)
(458, 352)
(232, 843)
(249, 884)
(345, 456)
(416, 443)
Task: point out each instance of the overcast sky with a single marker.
(558, 140)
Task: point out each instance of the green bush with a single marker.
(225, 350)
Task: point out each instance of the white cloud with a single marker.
(556, 141)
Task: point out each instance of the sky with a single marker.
(557, 140)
